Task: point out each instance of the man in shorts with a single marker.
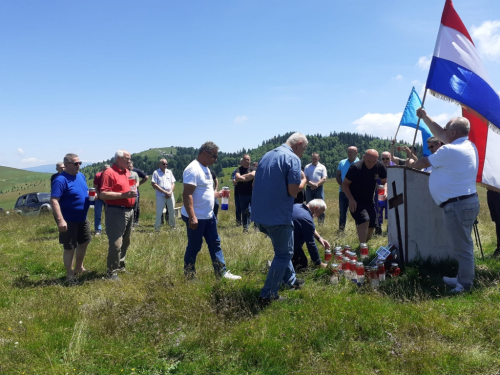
(359, 186)
(70, 202)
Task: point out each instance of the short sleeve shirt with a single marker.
(364, 180)
(315, 173)
(343, 167)
(271, 203)
(73, 195)
(116, 180)
(454, 170)
(163, 180)
(203, 196)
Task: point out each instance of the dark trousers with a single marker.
(244, 207)
(216, 207)
(137, 211)
(238, 208)
(343, 207)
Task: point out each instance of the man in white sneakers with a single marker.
(198, 214)
(163, 182)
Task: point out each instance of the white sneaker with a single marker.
(450, 281)
(458, 289)
(228, 275)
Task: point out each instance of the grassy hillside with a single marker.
(15, 182)
(154, 322)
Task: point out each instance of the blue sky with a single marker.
(93, 76)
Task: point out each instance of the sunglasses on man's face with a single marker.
(164, 163)
(212, 155)
(385, 158)
(76, 164)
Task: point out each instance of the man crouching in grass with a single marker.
(69, 199)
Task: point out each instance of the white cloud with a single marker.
(385, 125)
(424, 62)
(399, 77)
(241, 119)
(20, 152)
(487, 38)
(32, 160)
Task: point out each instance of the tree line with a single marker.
(332, 149)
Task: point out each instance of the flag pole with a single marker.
(418, 121)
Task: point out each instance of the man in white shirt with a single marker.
(163, 182)
(316, 176)
(198, 196)
(452, 185)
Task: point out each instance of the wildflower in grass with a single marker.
(20, 322)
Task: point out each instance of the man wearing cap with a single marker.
(120, 200)
(452, 185)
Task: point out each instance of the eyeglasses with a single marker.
(385, 158)
(76, 163)
(212, 155)
(164, 163)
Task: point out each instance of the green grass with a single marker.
(16, 182)
(154, 322)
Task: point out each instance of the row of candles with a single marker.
(346, 264)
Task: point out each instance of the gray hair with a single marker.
(319, 203)
(59, 164)
(119, 153)
(162, 159)
(296, 138)
(208, 146)
(461, 125)
(68, 158)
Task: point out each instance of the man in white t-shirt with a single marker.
(316, 176)
(452, 185)
(163, 182)
(197, 213)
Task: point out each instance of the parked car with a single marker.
(33, 204)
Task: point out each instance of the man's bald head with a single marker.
(352, 152)
(370, 158)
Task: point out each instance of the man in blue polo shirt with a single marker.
(278, 179)
(70, 203)
(304, 231)
(344, 166)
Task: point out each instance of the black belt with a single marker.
(121, 207)
(456, 199)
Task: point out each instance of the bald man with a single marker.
(359, 186)
(344, 165)
(452, 185)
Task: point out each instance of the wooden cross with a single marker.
(395, 202)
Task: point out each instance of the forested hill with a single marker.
(332, 149)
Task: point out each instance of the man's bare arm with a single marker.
(56, 210)
(338, 177)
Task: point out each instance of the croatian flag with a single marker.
(458, 75)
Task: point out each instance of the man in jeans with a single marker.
(344, 166)
(278, 179)
(452, 185)
(120, 200)
(198, 196)
(98, 203)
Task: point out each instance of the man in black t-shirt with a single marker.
(359, 186)
(137, 210)
(244, 178)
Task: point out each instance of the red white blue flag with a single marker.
(458, 75)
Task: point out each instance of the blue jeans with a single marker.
(343, 207)
(98, 205)
(316, 194)
(380, 208)
(244, 207)
(459, 218)
(207, 229)
(281, 270)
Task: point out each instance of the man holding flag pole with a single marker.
(458, 75)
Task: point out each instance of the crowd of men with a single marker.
(266, 193)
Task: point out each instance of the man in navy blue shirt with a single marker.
(70, 202)
(304, 231)
(278, 179)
